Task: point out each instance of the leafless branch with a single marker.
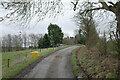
(75, 4)
(1, 19)
(105, 6)
(86, 11)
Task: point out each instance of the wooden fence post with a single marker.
(8, 63)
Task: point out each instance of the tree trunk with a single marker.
(118, 42)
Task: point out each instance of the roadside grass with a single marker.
(98, 66)
(76, 68)
(17, 54)
(16, 68)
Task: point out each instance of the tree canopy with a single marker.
(46, 41)
(55, 34)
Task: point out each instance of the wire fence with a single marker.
(18, 59)
(15, 60)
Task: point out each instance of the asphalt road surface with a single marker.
(56, 65)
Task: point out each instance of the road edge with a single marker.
(82, 73)
(32, 65)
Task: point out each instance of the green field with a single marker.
(21, 59)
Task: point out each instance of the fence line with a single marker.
(19, 58)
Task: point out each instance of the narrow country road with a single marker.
(56, 65)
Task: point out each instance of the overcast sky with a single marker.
(65, 21)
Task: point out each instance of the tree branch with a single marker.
(86, 11)
(109, 8)
(1, 19)
(75, 4)
(105, 6)
(111, 3)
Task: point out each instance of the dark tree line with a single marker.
(44, 42)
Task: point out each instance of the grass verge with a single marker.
(15, 69)
(97, 66)
(76, 68)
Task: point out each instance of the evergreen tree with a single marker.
(55, 34)
(46, 41)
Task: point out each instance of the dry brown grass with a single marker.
(98, 66)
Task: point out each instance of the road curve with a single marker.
(56, 65)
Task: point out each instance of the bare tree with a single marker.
(114, 8)
(9, 42)
(102, 45)
(17, 42)
(69, 40)
(86, 23)
(24, 11)
(34, 38)
(4, 43)
(25, 40)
